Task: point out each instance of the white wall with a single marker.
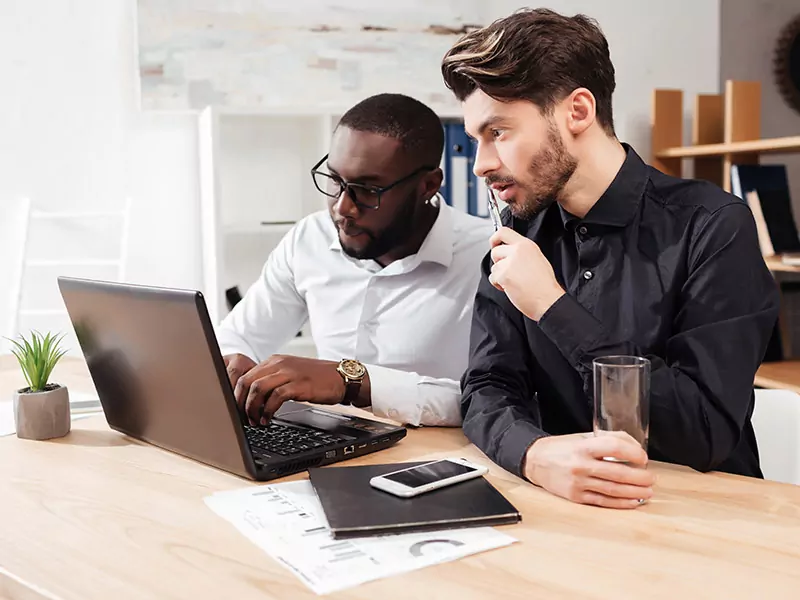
(71, 135)
(65, 99)
(671, 44)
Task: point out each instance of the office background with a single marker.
(85, 127)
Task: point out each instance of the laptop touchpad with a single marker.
(316, 419)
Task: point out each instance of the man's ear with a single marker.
(432, 182)
(581, 110)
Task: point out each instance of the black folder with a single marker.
(354, 508)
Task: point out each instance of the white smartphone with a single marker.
(414, 481)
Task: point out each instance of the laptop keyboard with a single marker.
(277, 438)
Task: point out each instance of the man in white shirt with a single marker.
(386, 277)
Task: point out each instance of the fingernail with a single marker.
(263, 421)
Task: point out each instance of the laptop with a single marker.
(155, 362)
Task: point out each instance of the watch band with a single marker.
(352, 372)
(351, 389)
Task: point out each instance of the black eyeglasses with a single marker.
(363, 196)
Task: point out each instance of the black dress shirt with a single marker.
(665, 268)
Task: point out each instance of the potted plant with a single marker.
(41, 410)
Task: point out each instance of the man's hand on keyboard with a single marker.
(236, 366)
(264, 388)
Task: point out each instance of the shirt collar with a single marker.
(619, 203)
(437, 247)
(438, 244)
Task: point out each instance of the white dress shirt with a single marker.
(408, 322)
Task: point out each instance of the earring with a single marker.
(436, 195)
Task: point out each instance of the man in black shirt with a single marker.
(600, 255)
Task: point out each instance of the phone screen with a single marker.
(426, 474)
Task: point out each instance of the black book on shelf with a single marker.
(776, 205)
(771, 203)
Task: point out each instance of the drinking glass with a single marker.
(622, 396)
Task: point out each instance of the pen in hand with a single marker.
(494, 210)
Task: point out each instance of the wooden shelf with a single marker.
(782, 375)
(767, 146)
(726, 131)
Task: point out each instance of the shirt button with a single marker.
(582, 230)
(587, 275)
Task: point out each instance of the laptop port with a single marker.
(349, 450)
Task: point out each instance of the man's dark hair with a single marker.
(401, 117)
(536, 55)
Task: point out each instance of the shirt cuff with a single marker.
(392, 394)
(514, 445)
(570, 327)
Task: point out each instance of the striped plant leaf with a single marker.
(37, 357)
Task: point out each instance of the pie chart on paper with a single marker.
(428, 547)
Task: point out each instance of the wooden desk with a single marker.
(783, 375)
(98, 515)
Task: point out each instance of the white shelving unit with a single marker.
(255, 183)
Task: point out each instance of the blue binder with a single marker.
(461, 188)
(457, 166)
(477, 200)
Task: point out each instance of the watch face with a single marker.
(353, 368)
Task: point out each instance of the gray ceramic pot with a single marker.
(42, 415)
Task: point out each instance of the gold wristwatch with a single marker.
(353, 372)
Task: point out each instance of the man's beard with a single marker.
(396, 234)
(550, 170)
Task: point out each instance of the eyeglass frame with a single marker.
(373, 189)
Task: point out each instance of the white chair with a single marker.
(26, 266)
(776, 420)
